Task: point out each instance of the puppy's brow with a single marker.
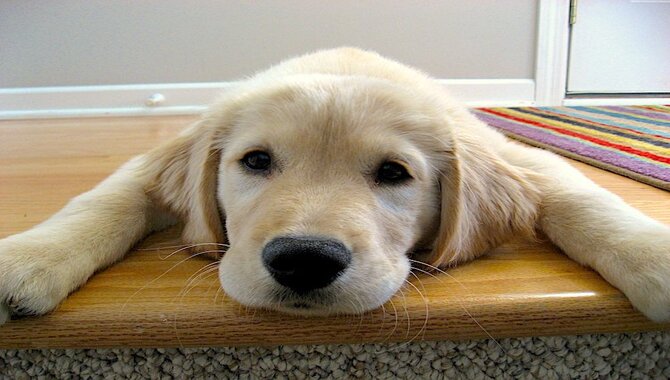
(257, 147)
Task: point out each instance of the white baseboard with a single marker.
(192, 98)
(117, 100)
(616, 101)
(492, 92)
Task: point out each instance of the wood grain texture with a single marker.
(158, 297)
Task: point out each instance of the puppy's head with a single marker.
(327, 185)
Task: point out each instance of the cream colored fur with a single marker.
(329, 120)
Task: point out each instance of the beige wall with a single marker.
(93, 42)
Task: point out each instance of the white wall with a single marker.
(100, 42)
(91, 42)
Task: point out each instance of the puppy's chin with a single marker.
(311, 309)
(320, 302)
(306, 310)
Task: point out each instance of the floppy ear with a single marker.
(182, 178)
(485, 201)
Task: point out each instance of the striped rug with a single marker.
(633, 141)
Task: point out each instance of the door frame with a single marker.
(551, 62)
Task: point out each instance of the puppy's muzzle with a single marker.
(305, 263)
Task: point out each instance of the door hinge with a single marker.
(573, 12)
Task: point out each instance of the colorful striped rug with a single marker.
(633, 141)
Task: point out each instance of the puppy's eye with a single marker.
(392, 173)
(257, 160)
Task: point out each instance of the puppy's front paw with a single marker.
(646, 276)
(31, 282)
(650, 294)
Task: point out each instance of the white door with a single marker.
(620, 47)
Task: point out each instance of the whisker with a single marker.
(425, 302)
(193, 246)
(381, 326)
(359, 312)
(216, 296)
(358, 306)
(409, 320)
(193, 281)
(355, 315)
(395, 325)
(257, 288)
(408, 325)
(432, 267)
(215, 282)
(397, 320)
(404, 305)
(207, 269)
(161, 276)
(180, 246)
(157, 248)
(460, 302)
(418, 279)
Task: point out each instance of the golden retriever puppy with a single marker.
(324, 174)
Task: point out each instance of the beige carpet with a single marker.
(613, 356)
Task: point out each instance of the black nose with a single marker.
(305, 263)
